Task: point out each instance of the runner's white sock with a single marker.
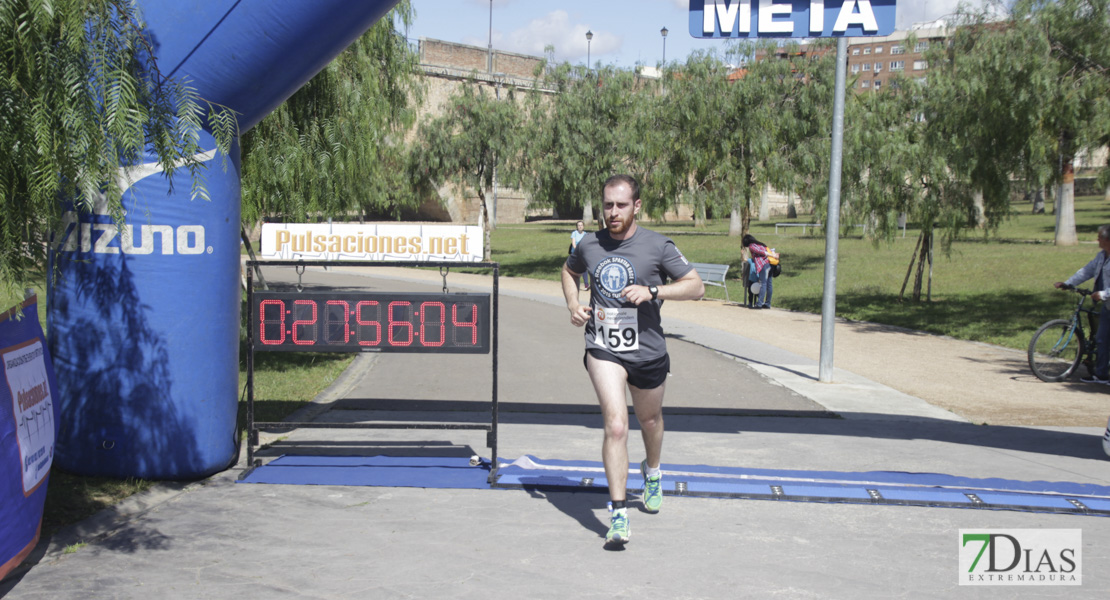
(654, 472)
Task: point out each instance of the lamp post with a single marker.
(589, 39)
(489, 56)
(663, 32)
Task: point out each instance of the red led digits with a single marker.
(473, 324)
(374, 322)
(394, 323)
(439, 324)
(308, 325)
(267, 324)
(337, 318)
(344, 321)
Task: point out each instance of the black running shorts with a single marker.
(644, 375)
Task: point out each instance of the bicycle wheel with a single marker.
(1055, 350)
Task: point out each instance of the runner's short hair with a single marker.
(621, 178)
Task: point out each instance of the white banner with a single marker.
(371, 241)
(32, 406)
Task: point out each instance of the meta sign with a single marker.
(792, 19)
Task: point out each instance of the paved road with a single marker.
(732, 401)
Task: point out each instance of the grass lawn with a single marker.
(993, 287)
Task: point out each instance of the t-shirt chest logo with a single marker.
(612, 275)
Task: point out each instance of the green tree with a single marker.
(336, 145)
(579, 135)
(1074, 110)
(735, 135)
(81, 95)
(476, 135)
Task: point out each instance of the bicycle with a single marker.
(1060, 344)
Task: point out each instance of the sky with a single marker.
(626, 32)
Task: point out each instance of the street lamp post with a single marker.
(663, 32)
(589, 40)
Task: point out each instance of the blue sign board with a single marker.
(791, 18)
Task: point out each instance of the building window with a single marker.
(921, 47)
(878, 84)
(920, 65)
(855, 51)
(878, 49)
(866, 83)
(897, 49)
(878, 67)
(897, 65)
(867, 50)
(855, 68)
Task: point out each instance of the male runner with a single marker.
(628, 266)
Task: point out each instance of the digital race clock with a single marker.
(373, 322)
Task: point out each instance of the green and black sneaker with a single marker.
(653, 489)
(619, 533)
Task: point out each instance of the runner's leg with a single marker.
(609, 381)
(648, 405)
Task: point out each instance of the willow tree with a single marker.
(477, 135)
(579, 134)
(734, 131)
(336, 145)
(81, 95)
(1074, 109)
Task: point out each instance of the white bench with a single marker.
(712, 274)
(802, 225)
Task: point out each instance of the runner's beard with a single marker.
(618, 226)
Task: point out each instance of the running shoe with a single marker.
(1095, 379)
(653, 489)
(619, 532)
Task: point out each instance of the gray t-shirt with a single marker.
(633, 333)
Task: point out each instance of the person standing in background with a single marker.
(758, 250)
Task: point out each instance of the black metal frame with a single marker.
(254, 427)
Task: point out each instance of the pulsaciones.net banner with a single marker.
(371, 241)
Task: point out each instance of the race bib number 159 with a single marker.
(616, 329)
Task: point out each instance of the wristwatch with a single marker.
(654, 289)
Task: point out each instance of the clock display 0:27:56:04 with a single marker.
(359, 322)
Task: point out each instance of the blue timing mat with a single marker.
(872, 487)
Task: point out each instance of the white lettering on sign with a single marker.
(767, 12)
(718, 10)
(775, 17)
(848, 16)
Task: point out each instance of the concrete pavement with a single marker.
(731, 401)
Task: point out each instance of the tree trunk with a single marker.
(764, 205)
(484, 215)
(1065, 209)
(978, 213)
(587, 212)
(922, 259)
(909, 269)
(699, 213)
(1038, 201)
(745, 220)
(791, 207)
(735, 226)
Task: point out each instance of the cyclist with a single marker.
(1099, 270)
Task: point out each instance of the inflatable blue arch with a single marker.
(144, 320)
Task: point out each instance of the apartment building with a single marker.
(874, 61)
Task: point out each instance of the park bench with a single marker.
(712, 274)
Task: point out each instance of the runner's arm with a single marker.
(687, 287)
(579, 314)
